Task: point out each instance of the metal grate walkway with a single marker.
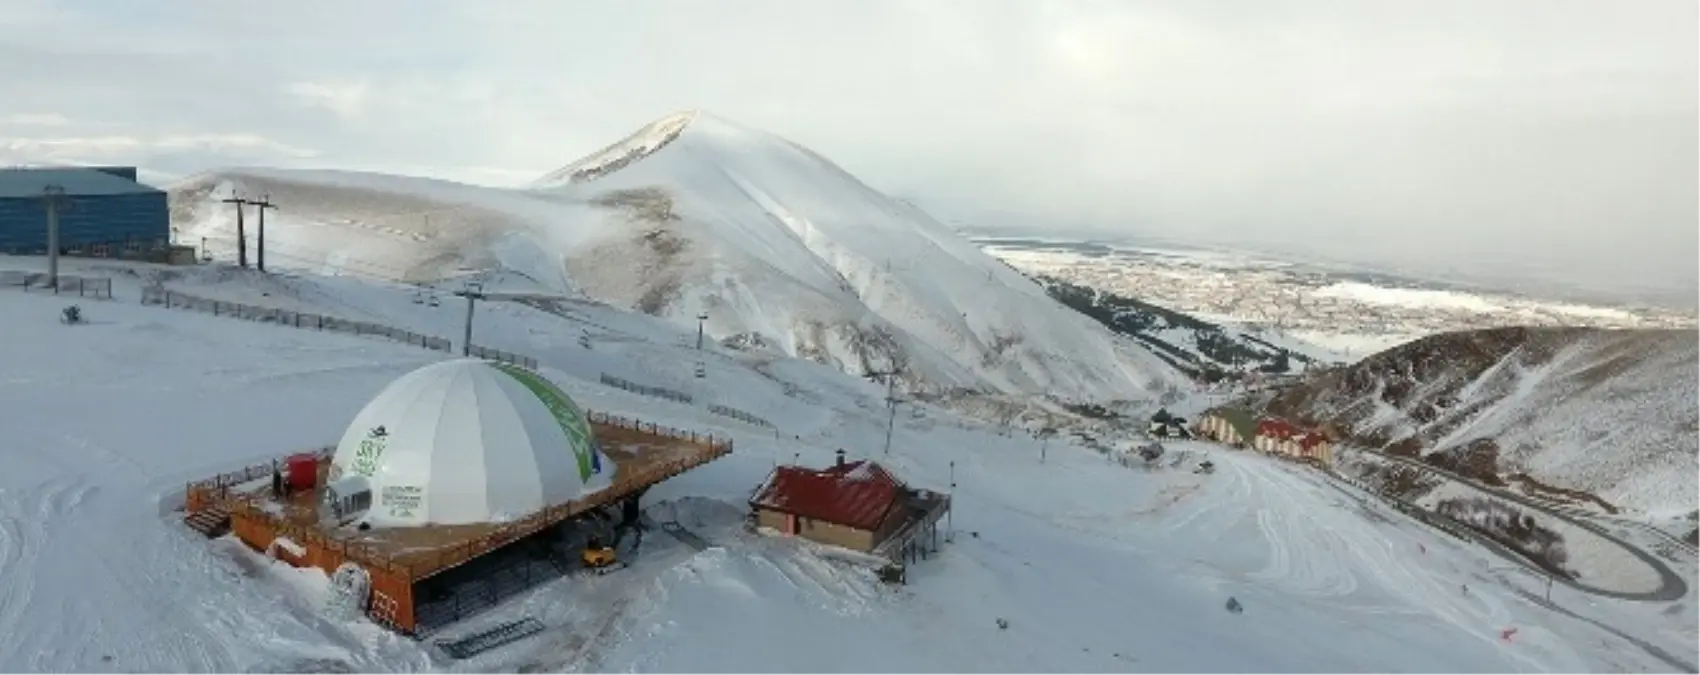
(478, 643)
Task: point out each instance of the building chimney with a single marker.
(840, 461)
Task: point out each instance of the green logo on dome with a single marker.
(566, 412)
(371, 448)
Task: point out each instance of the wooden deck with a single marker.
(642, 455)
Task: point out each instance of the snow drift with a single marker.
(779, 247)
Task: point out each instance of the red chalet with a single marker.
(857, 505)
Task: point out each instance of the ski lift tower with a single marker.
(474, 291)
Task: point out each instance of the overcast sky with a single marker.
(1549, 139)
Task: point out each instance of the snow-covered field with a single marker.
(1095, 567)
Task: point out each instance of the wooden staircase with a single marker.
(213, 521)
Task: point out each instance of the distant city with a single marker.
(1344, 309)
(1095, 245)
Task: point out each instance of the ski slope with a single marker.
(695, 215)
(1096, 567)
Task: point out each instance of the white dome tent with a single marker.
(469, 441)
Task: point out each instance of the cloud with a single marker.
(117, 146)
(34, 120)
(1551, 139)
(161, 155)
(346, 99)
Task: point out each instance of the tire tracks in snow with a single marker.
(1477, 615)
(69, 531)
(25, 520)
(813, 577)
(1315, 569)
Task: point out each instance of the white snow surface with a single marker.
(1408, 297)
(696, 214)
(1095, 567)
(1460, 300)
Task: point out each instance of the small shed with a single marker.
(1165, 425)
(854, 505)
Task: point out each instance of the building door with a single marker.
(790, 524)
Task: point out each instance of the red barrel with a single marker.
(303, 472)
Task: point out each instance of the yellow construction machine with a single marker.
(599, 558)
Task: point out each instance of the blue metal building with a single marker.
(105, 212)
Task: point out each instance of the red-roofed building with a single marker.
(1281, 437)
(856, 505)
(1274, 435)
(1316, 446)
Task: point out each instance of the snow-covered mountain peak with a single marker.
(694, 215)
(640, 144)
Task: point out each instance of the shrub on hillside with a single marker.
(1091, 410)
(1477, 460)
(1409, 446)
(1511, 527)
(1406, 482)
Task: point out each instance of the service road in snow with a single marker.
(1672, 586)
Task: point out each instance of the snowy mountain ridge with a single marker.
(695, 215)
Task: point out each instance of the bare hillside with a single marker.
(1559, 411)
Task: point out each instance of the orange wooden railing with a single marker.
(211, 491)
(216, 490)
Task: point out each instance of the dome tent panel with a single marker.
(508, 485)
(468, 441)
(566, 414)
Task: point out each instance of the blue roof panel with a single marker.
(31, 182)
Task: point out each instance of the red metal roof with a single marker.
(857, 494)
(1312, 440)
(1277, 429)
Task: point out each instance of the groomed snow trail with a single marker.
(114, 417)
(1341, 553)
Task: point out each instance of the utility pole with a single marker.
(701, 317)
(263, 203)
(472, 297)
(54, 197)
(949, 521)
(890, 421)
(891, 401)
(241, 232)
(887, 374)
